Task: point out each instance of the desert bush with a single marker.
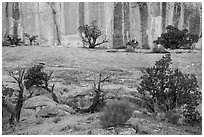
(90, 35)
(165, 89)
(132, 43)
(176, 39)
(116, 113)
(36, 76)
(32, 39)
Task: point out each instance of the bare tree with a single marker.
(99, 97)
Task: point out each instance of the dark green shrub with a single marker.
(90, 35)
(176, 39)
(165, 89)
(116, 113)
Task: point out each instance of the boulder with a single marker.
(39, 91)
(39, 101)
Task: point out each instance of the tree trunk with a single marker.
(19, 106)
(57, 29)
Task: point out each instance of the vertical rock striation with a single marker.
(143, 21)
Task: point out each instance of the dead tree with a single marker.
(19, 80)
(15, 111)
(99, 97)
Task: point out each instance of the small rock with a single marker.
(127, 131)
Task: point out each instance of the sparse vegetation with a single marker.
(91, 35)
(164, 89)
(116, 113)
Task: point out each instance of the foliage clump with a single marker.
(165, 89)
(116, 113)
(91, 34)
(177, 39)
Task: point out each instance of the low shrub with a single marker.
(176, 39)
(116, 113)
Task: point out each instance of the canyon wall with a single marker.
(120, 21)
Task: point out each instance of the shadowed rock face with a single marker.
(143, 21)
